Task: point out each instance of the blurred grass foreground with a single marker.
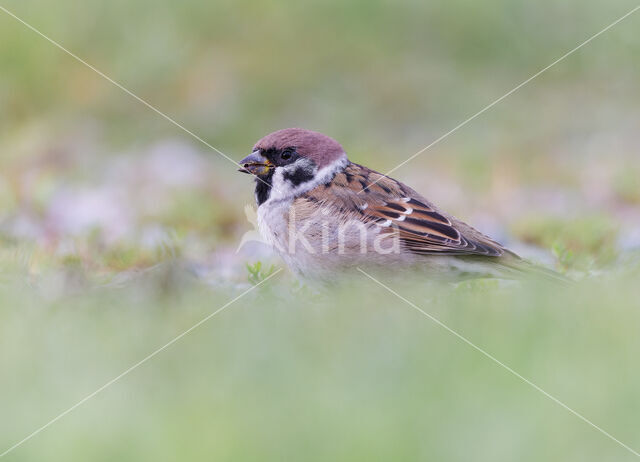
(119, 231)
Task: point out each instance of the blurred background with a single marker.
(107, 210)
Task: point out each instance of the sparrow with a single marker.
(325, 215)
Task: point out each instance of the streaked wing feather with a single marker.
(421, 227)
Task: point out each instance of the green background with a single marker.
(106, 210)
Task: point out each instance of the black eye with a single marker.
(286, 155)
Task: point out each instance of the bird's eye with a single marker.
(286, 155)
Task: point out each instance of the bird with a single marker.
(325, 215)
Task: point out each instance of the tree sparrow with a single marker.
(324, 214)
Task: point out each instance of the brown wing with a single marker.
(358, 192)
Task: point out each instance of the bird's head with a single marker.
(292, 160)
(292, 146)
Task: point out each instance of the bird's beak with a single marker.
(255, 164)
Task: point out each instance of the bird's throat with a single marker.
(263, 188)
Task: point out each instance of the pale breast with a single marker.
(273, 223)
(315, 241)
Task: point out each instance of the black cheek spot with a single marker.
(298, 176)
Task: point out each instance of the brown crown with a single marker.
(313, 145)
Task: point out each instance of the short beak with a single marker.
(255, 164)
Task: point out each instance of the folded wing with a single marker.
(361, 193)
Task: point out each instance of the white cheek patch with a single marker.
(301, 164)
(286, 180)
(285, 183)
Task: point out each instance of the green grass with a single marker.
(582, 243)
(353, 374)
